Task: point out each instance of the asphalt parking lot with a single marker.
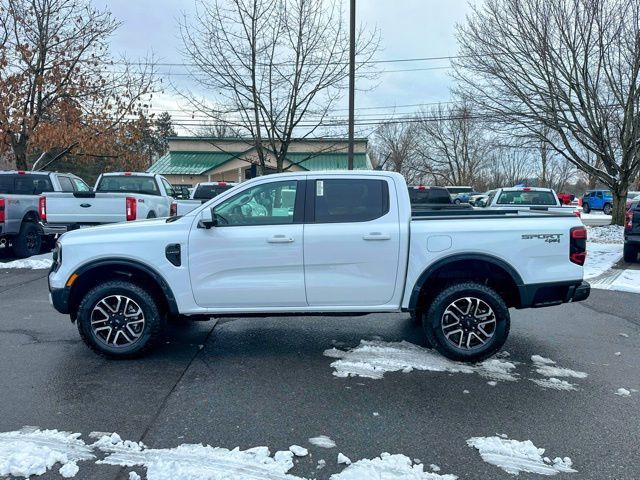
(251, 382)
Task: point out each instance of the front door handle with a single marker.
(377, 236)
(280, 239)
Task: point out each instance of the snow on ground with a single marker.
(514, 456)
(37, 262)
(620, 280)
(554, 383)
(197, 462)
(548, 368)
(623, 392)
(322, 441)
(31, 451)
(388, 467)
(605, 234)
(372, 359)
(600, 258)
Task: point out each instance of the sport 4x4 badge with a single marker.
(547, 237)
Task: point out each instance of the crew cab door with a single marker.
(351, 241)
(253, 256)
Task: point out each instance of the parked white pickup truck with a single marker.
(526, 198)
(319, 243)
(19, 195)
(116, 197)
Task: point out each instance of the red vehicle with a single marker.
(566, 198)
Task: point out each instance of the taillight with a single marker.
(173, 210)
(132, 208)
(578, 245)
(2, 209)
(42, 208)
(628, 219)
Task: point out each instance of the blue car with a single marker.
(597, 200)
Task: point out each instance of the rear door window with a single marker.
(350, 200)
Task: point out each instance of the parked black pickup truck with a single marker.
(632, 233)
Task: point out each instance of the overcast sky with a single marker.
(408, 28)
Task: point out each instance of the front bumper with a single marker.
(549, 294)
(59, 298)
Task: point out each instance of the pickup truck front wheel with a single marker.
(467, 322)
(119, 319)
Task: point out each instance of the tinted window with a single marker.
(25, 184)
(129, 184)
(65, 184)
(269, 204)
(350, 200)
(454, 190)
(207, 192)
(521, 197)
(429, 195)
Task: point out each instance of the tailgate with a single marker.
(85, 208)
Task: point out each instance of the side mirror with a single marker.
(207, 219)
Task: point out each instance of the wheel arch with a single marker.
(30, 216)
(481, 267)
(97, 271)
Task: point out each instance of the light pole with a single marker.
(352, 80)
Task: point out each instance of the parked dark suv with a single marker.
(632, 232)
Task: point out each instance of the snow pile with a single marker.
(623, 392)
(298, 451)
(197, 462)
(31, 451)
(546, 367)
(600, 258)
(554, 383)
(343, 459)
(605, 234)
(514, 456)
(388, 467)
(37, 262)
(322, 441)
(372, 359)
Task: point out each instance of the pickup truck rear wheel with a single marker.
(467, 322)
(119, 319)
(29, 241)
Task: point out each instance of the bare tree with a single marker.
(54, 67)
(275, 66)
(569, 66)
(396, 148)
(454, 146)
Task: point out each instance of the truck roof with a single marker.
(128, 174)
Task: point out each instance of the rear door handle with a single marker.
(377, 236)
(280, 239)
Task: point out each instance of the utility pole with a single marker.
(352, 80)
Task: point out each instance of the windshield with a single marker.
(128, 184)
(522, 197)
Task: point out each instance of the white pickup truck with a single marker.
(19, 196)
(319, 243)
(526, 198)
(116, 197)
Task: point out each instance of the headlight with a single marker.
(57, 257)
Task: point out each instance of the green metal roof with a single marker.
(190, 163)
(329, 161)
(198, 163)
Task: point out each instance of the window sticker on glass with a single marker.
(319, 188)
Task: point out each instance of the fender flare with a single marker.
(125, 262)
(431, 269)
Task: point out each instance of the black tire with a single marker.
(150, 332)
(457, 201)
(630, 253)
(433, 322)
(586, 208)
(607, 209)
(29, 241)
(151, 215)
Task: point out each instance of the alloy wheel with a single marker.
(468, 323)
(117, 321)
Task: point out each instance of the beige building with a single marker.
(191, 160)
